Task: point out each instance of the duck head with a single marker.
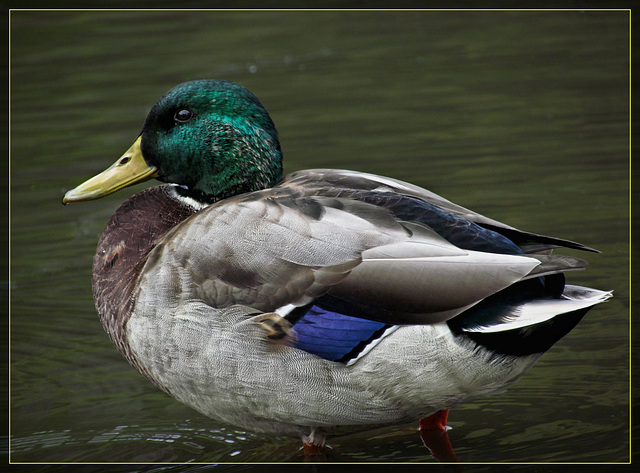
(212, 138)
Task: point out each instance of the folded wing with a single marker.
(353, 243)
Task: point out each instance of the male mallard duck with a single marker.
(324, 301)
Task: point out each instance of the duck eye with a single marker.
(183, 115)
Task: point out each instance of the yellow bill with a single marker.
(129, 169)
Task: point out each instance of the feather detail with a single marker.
(538, 311)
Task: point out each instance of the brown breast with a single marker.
(133, 231)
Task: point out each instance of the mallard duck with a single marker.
(321, 302)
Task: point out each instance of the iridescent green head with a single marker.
(213, 138)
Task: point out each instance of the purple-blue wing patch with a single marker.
(334, 336)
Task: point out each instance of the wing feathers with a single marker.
(432, 283)
(318, 234)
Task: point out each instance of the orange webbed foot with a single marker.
(434, 435)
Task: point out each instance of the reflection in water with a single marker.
(177, 442)
(180, 443)
(522, 116)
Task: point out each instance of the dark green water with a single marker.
(522, 116)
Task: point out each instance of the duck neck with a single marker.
(130, 235)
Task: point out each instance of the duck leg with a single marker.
(433, 432)
(276, 329)
(313, 445)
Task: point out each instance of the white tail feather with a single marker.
(538, 311)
